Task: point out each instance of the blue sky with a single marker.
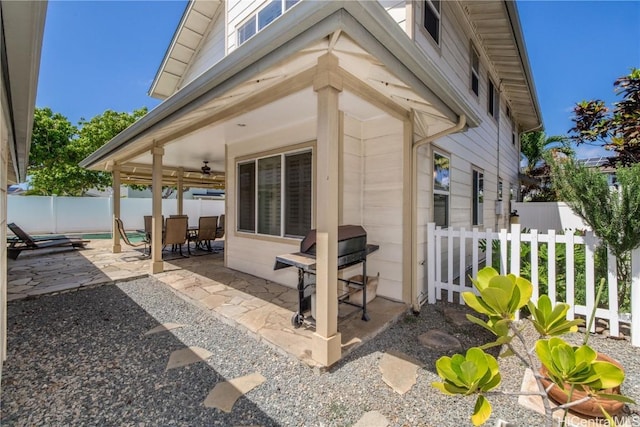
(104, 55)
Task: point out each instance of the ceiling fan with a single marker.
(206, 170)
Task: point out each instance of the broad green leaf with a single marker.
(476, 303)
(525, 289)
(497, 299)
(484, 276)
(563, 358)
(481, 412)
(468, 372)
(480, 322)
(609, 375)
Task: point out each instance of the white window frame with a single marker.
(474, 72)
(285, 5)
(283, 155)
(441, 192)
(437, 12)
(477, 197)
(493, 100)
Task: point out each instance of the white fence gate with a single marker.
(459, 254)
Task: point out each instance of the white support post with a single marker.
(326, 341)
(115, 197)
(157, 266)
(180, 195)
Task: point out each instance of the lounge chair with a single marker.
(125, 238)
(24, 242)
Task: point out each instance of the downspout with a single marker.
(462, 121)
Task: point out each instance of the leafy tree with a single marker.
(612, 213)
(617, 130)
(58, 146)
(537, 149)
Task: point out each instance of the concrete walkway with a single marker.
(260, 307)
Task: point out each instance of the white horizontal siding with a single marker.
(382, 202)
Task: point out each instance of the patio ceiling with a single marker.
(258, 88)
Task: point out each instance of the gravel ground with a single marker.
(82, 358)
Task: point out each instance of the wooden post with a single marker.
(326, 346)
(157, 265)
(115, 195)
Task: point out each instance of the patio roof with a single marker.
(393, 76)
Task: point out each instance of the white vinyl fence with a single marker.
(44, 214)
(453, 255)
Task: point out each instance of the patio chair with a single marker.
(175, 233)
(148, 227)
(207, 230)
(220, 231)
(125, 238)
(24, 242)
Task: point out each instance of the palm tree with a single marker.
(537, 149)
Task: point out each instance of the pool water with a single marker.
(133, 236)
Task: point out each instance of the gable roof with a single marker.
(191, 31)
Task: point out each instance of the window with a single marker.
(493, 104)
(514, 133)
(276, 201)
(478, 198)
(432, 18)
(475, 71)
(441, 183)
(262, 18)
(247, 30)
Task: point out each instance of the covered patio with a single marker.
(329, 87)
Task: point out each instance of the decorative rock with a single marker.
(372, 419)
(187, 356)
(457, 317)
(224, 395)
(439, 340)
(399, 371)
(164, 327)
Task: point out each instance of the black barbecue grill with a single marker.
(352, 249)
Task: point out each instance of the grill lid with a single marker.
(345, 232)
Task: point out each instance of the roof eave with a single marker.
(514, 19)
(23, 29)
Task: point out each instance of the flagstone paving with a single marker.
(260, 307)
(225, 394)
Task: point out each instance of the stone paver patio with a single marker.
(261, 307)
